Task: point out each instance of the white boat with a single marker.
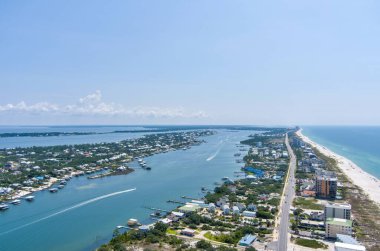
(15, 202)
(29, 198)
(3, 206)
(53, 190)
(132, 222)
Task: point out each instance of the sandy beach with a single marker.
(367, 182)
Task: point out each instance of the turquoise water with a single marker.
(84, 214)
(360, 144)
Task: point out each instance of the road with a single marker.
(288, 196)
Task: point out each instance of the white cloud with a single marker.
(92, 104)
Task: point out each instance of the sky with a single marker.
(190, 62)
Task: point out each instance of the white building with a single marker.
(339, 246)
(249, 214)
(211, 207)
(340, 211)
(226, 209)
(235, 210)
(336, 226)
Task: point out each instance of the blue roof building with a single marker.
(247, 240)
(259, 173)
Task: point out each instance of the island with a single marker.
(26, 170)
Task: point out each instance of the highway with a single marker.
(288, 195)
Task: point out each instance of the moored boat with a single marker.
(29, 198)
(15, 202)
(3, 206)
(53, 190)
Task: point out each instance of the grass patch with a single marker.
(310, 243)
(171, 231)
(210, 236)
(307, 204)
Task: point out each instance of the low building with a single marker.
(189, 208)
(188, 232)
(178, 214)
(166, 221)
(252, 207)
(235, 210)
(340, 246)
(250, 214)
(311, 223)
(308, 193)
(247, 240)
(144, 228)
(211, 207)
(226, 209)
(336, 226)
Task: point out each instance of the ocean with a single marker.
(360, 144)
(83, 215)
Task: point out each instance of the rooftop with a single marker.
(247, 240)
(342, 206)
(349, 246)
(339, 222)
(346, 239)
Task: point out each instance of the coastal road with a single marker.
(287, 199)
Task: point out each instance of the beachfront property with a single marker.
(326, 184)
(335, 210)
(189, 208)
(336, 226)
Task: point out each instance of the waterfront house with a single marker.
(211, 207)
(201, 203)
(166, 221)
(178, 214)
(144, 228)
(189, 208)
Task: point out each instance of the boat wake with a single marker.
(217, 151)
(69, 208)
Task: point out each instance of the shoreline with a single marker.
(367, 182)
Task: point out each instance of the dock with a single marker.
(176, 202)
(158, 209)
(189, 198)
